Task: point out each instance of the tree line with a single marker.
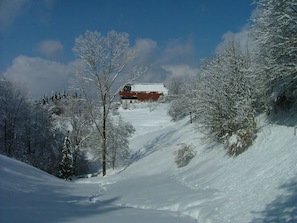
(26, 130)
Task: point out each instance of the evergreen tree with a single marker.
(67, 160)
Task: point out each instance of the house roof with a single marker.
(149, 87)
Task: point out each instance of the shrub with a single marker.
(238, 142)
(184, 155)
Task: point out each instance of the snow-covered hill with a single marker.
(258, 186)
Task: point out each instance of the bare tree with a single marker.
(103, 73)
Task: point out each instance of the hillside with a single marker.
(258, 186)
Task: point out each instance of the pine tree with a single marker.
(67, 160)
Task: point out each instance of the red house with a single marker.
(133, 93)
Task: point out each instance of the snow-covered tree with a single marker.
(13, 102)
(176, 86)
(78, 122)
(179, 107)
(178, 90)
(40, 139)
(274, 31)
(26, 130)
(118, 141)
(223, 99)
(103, 72)
(66, 171)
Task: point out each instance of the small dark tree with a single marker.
(67, 160)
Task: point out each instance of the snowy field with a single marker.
(258, 186)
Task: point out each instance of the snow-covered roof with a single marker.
(149, 87)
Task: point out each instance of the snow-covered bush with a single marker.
(224, 98)
(178, 108)
(184, 155)
(239, 141)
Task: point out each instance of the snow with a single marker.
(149, 87)
(259, 185)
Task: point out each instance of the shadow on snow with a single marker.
(158, 143)
(283, 209)
(29, 195)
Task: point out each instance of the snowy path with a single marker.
(153, 183)
(160, 192)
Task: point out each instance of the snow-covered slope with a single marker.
(258, 186)
(30, 195)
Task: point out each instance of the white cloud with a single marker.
(240, 38)
(39, 75)
(181, 70)
(176, 59)
(178, 51)
(44, 76)
(51, 49)
(144, 51)
(10, 10)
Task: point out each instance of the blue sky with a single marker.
(37, 36)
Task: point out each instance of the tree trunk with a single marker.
(104, 146)
(5, 139)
